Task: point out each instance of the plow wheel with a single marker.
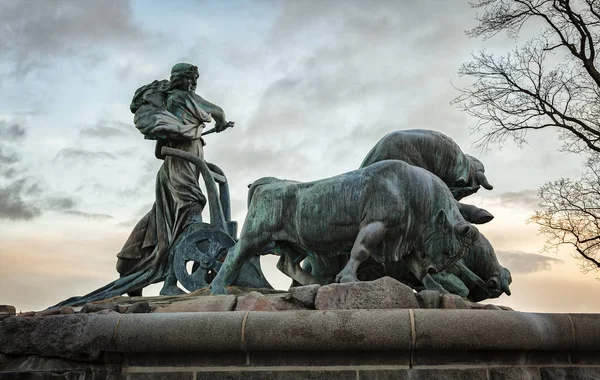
(206, 249)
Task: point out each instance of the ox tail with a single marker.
(261, 181)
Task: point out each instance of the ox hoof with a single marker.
(346, 278)
(171, 290)
(218, 290)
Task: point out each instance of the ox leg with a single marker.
(369, 237)
(293, 270)
(430, 284)
(240, 253)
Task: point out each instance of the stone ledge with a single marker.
(81, 336)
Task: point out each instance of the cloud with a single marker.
(12, 204)
(88, 215)
(11, 131)
(35, 32)
(103, 132)
(7, 158)
(526, 198)
(60, 203)
(76, 154)
(521, 262)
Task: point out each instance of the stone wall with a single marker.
(303, 344)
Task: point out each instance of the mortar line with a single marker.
(413, 337)
(116, 331)
(243, 343)
(572, 333)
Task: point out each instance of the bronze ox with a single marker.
(390, 211)
(435, 152)
(477, 276)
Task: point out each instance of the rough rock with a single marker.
(9, 309)
(26, 314)
(384, 293)
(48, 312)
(107, 312)
(96, 307)
(452, 301)
(67, 310)
(139, 307)
(429, 299)
(255, 301)
(201, 303)
(491, 307)
(305, 294)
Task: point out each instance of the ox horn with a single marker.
(505, 280)
(463, 228)
(483, 180)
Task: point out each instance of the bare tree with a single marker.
(571, 215)
(549, 82)
(552, 81)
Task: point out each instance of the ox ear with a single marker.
(441, 221)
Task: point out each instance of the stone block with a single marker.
(185, 359)
(585, 357)
(570, 373)
(383, 293)
(304, 330)
(200, 304)
(9, 309)
(259, 302)
(76, 336)
(68, 375)
(279, 375)
(329, 358)
(54, 368)
(179, 332)
(159, 376)
(515, 373)
(424, 374)
(305, 294)
(491, 330)
(586, 331)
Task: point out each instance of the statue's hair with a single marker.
(164, 86)
(138, 97)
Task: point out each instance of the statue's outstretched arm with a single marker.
(216, 112)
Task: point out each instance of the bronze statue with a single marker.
(391, 211)
(170, 112)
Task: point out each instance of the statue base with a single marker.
(372, 330)
(303, 344)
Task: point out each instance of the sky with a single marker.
(311, 85)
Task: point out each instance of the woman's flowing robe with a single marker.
(176, 118)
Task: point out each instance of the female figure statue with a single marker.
(171, 113)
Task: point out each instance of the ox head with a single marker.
(483, 274)
(448, 243)
(493, 287)
(475, 178)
